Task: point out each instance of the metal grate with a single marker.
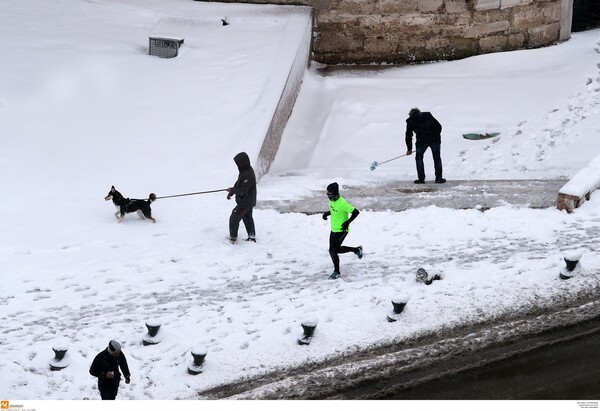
(164, 47)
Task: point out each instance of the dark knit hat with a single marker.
(413, 111)
(333, 188)
(114, 347)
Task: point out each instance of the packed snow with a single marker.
(83, 107)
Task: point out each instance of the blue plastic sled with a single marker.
(478, 136)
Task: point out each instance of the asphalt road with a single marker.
(566, 368)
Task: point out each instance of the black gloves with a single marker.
(346, 223)
(325, 215)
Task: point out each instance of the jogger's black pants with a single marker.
(336, 247)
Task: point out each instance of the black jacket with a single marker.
(105, 362)
(426, 127)
(245, 186)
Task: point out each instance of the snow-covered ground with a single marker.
(83, 107)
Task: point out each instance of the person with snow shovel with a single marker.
(244, 190)
(429, 134)
(340, 226)
(105, 367)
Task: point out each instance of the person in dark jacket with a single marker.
(105, 367)
(429, 134)
(244, 190)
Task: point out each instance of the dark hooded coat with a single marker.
(244, 188)
(105, 362)
(426, 127)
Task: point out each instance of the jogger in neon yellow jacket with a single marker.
(340, 226)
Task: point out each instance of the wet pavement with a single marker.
(459, 194)
(567, 370)
(561, 363)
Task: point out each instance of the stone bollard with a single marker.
(151, 338)
(197, 366)
(398, 303)
(60, 360)
(572, 267)
(427, 274)
(309, 329)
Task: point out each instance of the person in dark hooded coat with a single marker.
(105, 367)
(429, 134)
(244, 191)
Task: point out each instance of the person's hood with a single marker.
(242, 160)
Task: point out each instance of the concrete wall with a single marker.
(286, 101)
(404, 31)
(566, 19)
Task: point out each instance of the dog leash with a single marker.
(192, 194)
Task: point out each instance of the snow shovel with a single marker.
(374, 164)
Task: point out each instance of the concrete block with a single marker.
(487, 4)
(456, 6)
(553, 12)
(493, 44)
(580, 187)
(462, 47)
(568, 202)
(438, 43)
(380, 45)
(327, 17)
(351, 6)
(531, 16)
(319, 4)
(487, 28)
(516, 41)
(543, 36)
(420, 20)
(430, 6)
(504, 4)
(337, 41)
(387, 7)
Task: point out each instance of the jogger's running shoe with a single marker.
(334, 275)
(232, 240)
(359, 253)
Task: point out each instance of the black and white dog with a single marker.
(130, 205)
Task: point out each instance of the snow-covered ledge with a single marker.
(580, 187)
(287, 99)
